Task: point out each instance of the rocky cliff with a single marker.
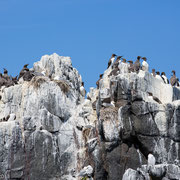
(50, 131)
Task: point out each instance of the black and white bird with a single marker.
(23, 71)
(97, 83)
(116, 62)
(82, 90)
(111, 61)
(165, 79)
(151, 160)
(158, 76)
(145, 65)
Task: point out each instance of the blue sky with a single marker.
(89, 32)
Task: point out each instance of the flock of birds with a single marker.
(136, 66)
(7, 81)
(27, 75)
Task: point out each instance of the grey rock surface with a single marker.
(48, 130)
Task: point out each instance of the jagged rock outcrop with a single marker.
(48, 130)
(144, 119)
(43, 141)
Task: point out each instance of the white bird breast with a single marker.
(151, 160)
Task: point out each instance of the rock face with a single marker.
(50, 131)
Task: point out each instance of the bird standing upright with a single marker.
(173, 79)
(111, 60)
(137, 64)
(165, 79)
(23, 71)
(116, 63)
(145, 65)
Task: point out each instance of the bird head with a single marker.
(131, 62)
(113, 55)
(173, 72)
(144, 58)
(26, 65)
(119, 57)
(101, 75)
(124, 60)
(5, 71)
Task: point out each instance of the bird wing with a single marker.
(163, 79)
(109, 62)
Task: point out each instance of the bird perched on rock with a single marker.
(28, 75)
(15, 80)
(5, 75)
(23, 71)
(158, 76)
(165, 79)
(123, 67)
(2, 80)
(173, 79)
(137, 64)
(153, 72)
(116, 63)
(115, 68)
(7, 80)
(82, 90)
(145, 65)
(131, 67)
(151, 160)
(124, 60)
(97, 83)
(111, 61)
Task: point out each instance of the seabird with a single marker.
(15, 80)
(115, 68)
(165, 79)
(2, 80)
(28, 75)
(5, 75)
(82, 90)
(131, 67)
(124, 60)
(23, 71)
(7, 80)
(145, 65)
(26, 66)
(151, 160)
(137, 64)
(173, 79)
(97, 83)
(123, 67)
(116, 63)
(158, 76)
(111, 60)
(153, 72)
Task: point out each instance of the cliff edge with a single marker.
(50, 131)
